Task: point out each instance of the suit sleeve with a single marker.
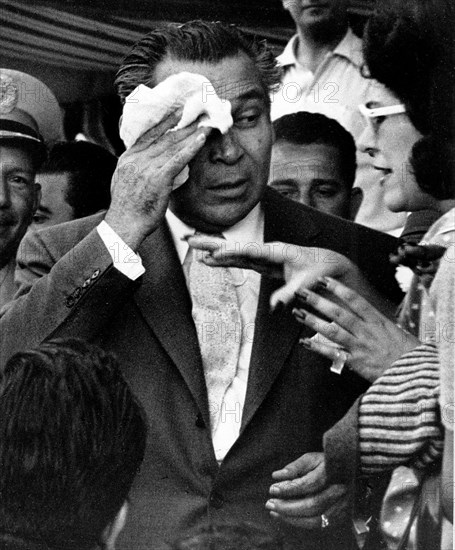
(72, 290)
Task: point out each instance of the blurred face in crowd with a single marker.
(53, 208)
(228, 177)
(319, 13)
(389, 141)
(312, 174)
(19, 197)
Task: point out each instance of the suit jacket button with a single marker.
(70, 301)
(96, 273)
(200, 421)
(216, 500)
(77, 292)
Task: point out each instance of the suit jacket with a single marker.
(69, 287)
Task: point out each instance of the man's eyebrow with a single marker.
(5, 167)
(253, 93)
(330, 181)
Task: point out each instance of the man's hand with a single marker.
(143, 179)
(302, 494)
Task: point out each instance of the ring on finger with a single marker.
(339, 362)
(324, 521)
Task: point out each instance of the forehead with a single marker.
(233, 77)
(318, 153)
(16, 157)
(50, 180)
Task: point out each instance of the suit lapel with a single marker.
(165, 304)
(276, 332)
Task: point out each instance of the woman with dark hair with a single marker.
(409, 47)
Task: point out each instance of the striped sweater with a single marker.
(399, 417)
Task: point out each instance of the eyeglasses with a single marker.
(373, 114)
(376, 112)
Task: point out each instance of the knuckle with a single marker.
(337, 313)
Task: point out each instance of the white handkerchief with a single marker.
(191, 94)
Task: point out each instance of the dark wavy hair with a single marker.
(410, 48)
(194, 41)
(72, 438)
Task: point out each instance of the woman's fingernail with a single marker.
(300, 313)
(322, 283)
(201, 138)
(274, 490)
(302, 295)
(305, 342)
(270, 505)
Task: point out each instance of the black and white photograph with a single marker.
(227, 274)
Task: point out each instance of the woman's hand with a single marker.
(298, 266)
(370, 340)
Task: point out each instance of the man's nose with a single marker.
(225, 147)
(367, 141)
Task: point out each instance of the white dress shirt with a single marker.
(247, 232)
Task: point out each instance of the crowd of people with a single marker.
(206, 343)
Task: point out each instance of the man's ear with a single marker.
(114, 529)
(356, 201)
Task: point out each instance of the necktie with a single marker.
(216, 314)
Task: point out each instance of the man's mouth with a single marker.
(229, 187)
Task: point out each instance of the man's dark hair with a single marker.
(194, 41)
(90, 169)
(229, 536)
(410, 48)
(72, 438)
(304, 128)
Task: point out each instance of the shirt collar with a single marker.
(349, 47)
(248, 230)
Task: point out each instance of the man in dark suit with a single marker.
(124, 280)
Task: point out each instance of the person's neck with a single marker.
(312, 48)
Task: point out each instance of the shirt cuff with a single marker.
(124, 259)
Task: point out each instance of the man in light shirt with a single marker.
(322, 74)
(127, 280)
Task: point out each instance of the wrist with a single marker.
(131, 232)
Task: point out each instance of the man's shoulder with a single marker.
(289, 221)
(62, 237)
(77, 229)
